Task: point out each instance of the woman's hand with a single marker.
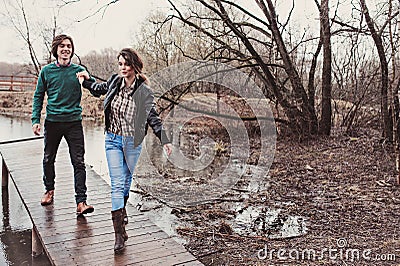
(81, 76)
(168, 148)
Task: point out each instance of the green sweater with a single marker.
(63, 94)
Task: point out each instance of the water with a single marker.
(16, 227)
(271, 223)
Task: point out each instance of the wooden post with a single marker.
(4, 174)
(37, 248)
(12, 81)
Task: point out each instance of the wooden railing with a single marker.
(17, 83)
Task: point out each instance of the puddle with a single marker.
(262, 220)
(271, 223)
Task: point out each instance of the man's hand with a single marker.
(36, 129)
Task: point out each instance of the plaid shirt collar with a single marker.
(131, 87)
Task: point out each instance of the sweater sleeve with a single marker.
(38, 97)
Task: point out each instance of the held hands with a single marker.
(36, 129)
(81, 76)
(168, 148)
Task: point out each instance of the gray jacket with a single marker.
(144, 100)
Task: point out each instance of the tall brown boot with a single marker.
(124, 234)
(119, 229)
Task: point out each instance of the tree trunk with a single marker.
(387, 134)
(306, 120)
(326, 112)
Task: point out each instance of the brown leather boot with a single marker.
(47, 198)
(83, 208)
(119, 228)
(124, 234)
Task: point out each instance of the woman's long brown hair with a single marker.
(133, 59)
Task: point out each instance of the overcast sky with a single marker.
(115, 29)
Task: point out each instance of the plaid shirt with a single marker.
(123, 111)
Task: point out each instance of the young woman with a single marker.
(129, 110)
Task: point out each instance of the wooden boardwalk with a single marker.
(89, 240)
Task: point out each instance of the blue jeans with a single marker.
(73, 134)
(122, 158)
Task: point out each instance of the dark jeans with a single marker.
(73, 134)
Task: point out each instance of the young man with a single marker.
(63, 119)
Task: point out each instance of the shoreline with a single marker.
(19, 105)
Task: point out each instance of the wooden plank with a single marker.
(104, 251)
(151, 234)
(95, 229)
(81, 227)
(87, 240)
(139, 253)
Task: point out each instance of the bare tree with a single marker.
(244, 48)
(24, 31)
(29, 32)
(326, 112)
(101, 65)
(158, 40)
(387, 130)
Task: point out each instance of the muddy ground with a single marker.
(343, 190)
(327, 201)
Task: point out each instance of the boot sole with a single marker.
(46, 203)
(88, 210)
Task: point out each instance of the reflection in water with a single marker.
(16, 233)
(83, 228)
(272, 223)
